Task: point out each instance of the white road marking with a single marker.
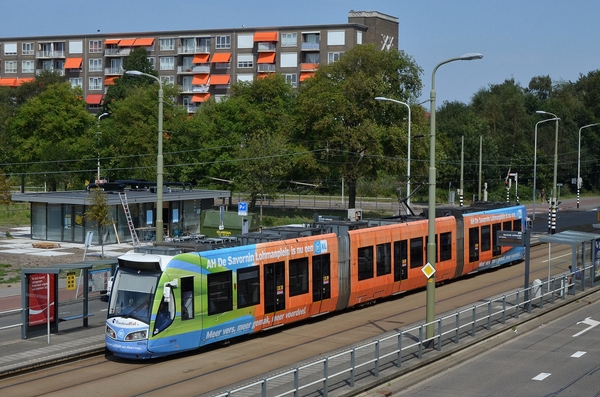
(556, 257)
(577, 354)
(541, 376)
(588, 321)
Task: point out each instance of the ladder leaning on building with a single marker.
(134, 237)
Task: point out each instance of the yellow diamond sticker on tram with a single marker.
(428, 270)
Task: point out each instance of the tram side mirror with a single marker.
(167, 293)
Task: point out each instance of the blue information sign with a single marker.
(242, 208)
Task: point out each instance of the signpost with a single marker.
(517, 239)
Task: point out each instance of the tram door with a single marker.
(321, 283)
(274, 290)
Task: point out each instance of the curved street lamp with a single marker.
(535, 160)
(431, 246)
(554, 203)
(380, 98)
(579, 159)
(159, 157)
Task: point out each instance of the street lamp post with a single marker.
(579, 159)
(535, 161)
(99, 118)
(159, 157)
(431, 246)
(554, 200)
(380, 98)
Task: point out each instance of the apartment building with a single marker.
(203, 63)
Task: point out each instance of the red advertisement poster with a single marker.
(38, 298)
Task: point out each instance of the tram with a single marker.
(217, 290)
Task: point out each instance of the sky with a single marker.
(519, 39)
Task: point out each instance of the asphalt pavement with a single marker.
(75, 340)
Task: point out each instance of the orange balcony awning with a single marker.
(144, 42)
(8, 82)
(221, 57)
(93, 99)
(126, 42)
(220, 79)
(306, 75)
(266, 57)
(266, 36)
(73, 63)
(201, 97)
(309, 66)
(24, 80)
(200, 58)
(200, 79)
(111, 41)
(261, 76)
(110, 80)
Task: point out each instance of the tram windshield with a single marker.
(133, 294)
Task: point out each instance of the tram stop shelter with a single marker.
(586, 258)
(40, 293)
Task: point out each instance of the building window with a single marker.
(223, 42)
(10, 49)
(245, 41)
(167, 44)
(247, 77)
(336, 37)
(289, 39)
(292, 79)
(95, 83)
(359, 38)
(151, 61)
(245, 60)
(95, 65)
(76, 47)
(27, 49)
(167, 63)
(167, 79)
(288, 59)
(334, 57)
(76, 82)
(95, 46)
(28, 67)
(312, 57)
(10, 66)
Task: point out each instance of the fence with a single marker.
(338, 373)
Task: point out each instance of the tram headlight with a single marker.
(138, 335)
(110, 332)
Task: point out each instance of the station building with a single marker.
(203, 63)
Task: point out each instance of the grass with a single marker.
(9, 275)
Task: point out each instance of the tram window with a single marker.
(321, 273)
(416, 252)
(473, 244)
(384, 259)
(219, 292)
(164, 316)
(400, 260)
(365, 263)
(187, 298)
(517, 225)
(445, 246)
(485, 238)
(507, 225)
(298, 276)
(248, 287)
(496, 249)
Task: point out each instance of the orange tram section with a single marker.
(216, 291)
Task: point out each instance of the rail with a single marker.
(8, 312)
(339, 371)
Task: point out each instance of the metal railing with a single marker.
(340, 371)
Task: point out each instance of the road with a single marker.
(219, 367)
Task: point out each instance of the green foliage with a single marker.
(98, 211)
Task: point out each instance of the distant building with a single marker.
(203, 63)
(59, 216)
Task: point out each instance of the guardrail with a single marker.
(340, 370)
(8, 312)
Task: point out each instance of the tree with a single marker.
(97, 212)
(5, 197)
(338, 116)
(45, 136)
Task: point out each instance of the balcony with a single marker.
(114, 71)
(268, 47)
(266, 67)
(196, 69)
(310, 46)
(199, 49)
(309, 67)
(194, 89)
(60, 72)
(50, 54)
(117, 52)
